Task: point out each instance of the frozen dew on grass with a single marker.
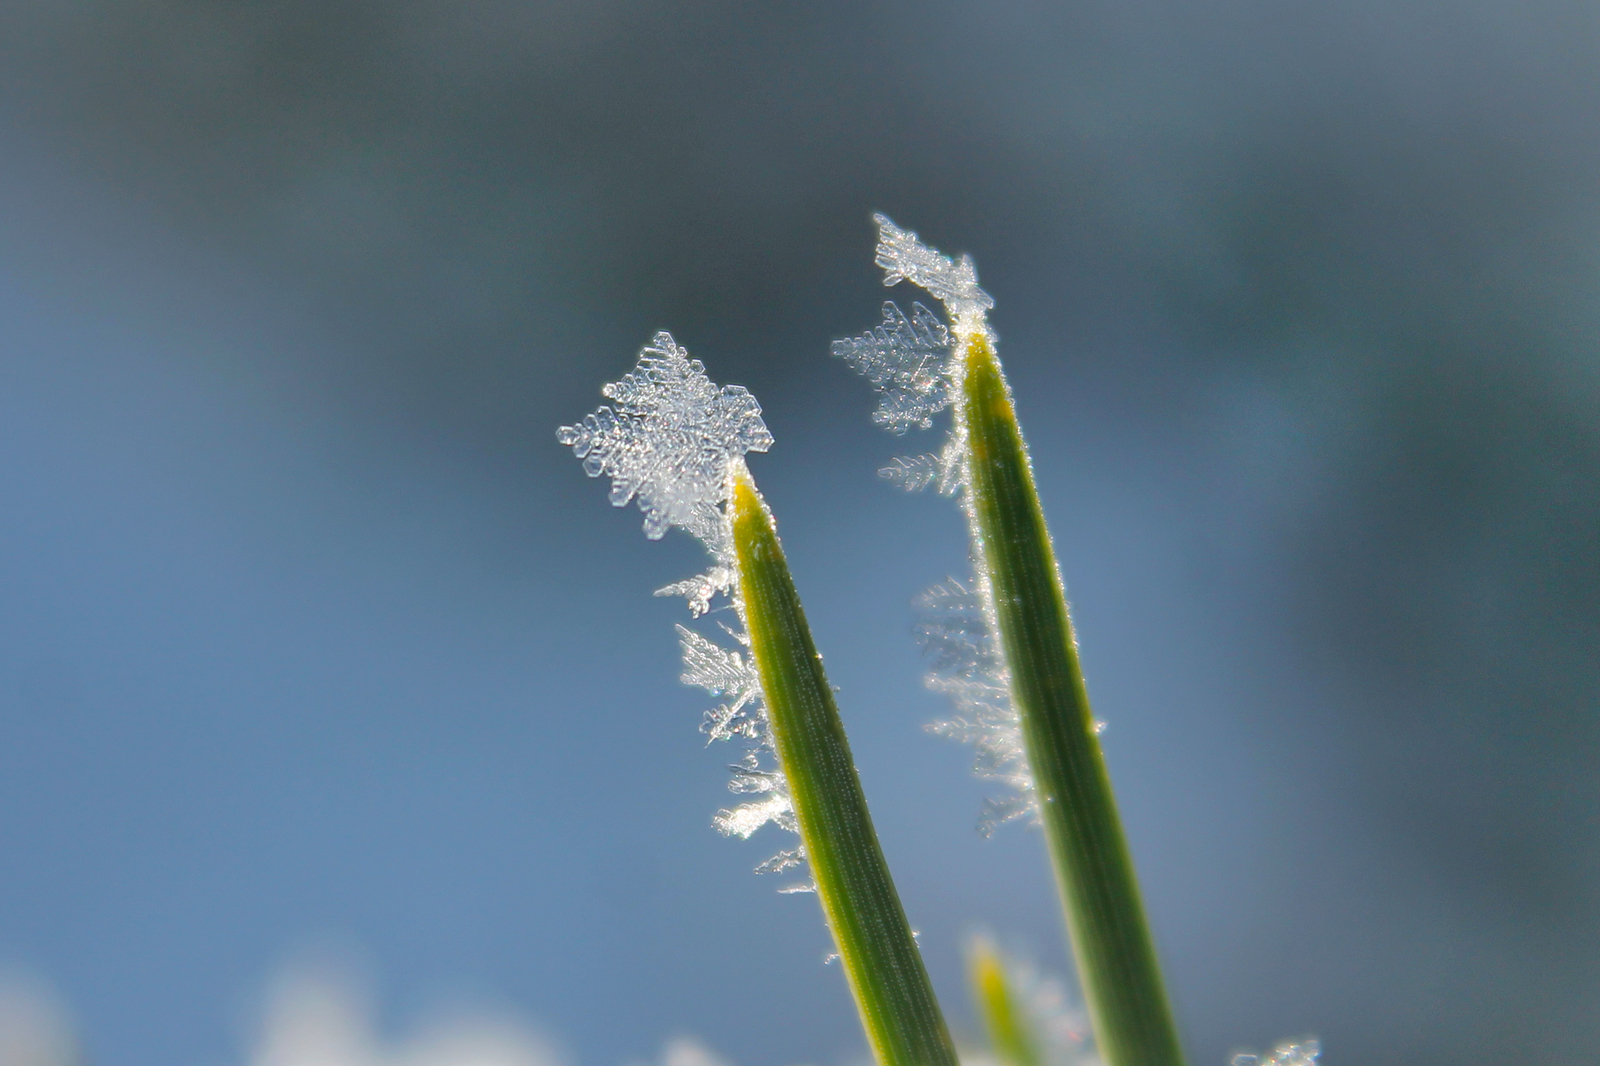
(671, 441)
(915, 365)
(918, 365)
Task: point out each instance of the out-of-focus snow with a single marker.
(318, 1018)
(1302, 1052)
(34, 1028)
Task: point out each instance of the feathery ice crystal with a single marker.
(915, 365)
(672, 442)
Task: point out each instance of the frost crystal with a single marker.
(945, 471)
(967, 666)
(722, 672)
(915, 366)
(905, 360)
(1290, 1053)
(904, 257)
(672, 442)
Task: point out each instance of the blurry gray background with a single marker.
(310, 632)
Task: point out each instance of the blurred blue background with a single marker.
(310, 633)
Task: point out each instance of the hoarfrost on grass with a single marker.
(672, 442)
(916, 365)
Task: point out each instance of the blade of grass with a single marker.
(1105, 918)
(881, 962)
(1011, 1037)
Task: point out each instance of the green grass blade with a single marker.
(880, 958)
(1110, 939)
(1010, 1035)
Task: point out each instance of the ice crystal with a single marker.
(913, 473)
(1301, 1052)
(967, 667)
(915, 366)
(722, 672)
(701, 589)
(904, 257)
(905, 359)
(672, 442)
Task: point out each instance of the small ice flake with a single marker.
(721, 672)
(746, 818)
(702, 588)
(670, 440)
(1301, 1052)
(995, 812)
(784, 860)
(906, 361)
(913, 473)
(904, 257)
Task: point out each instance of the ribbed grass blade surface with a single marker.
(880, 958)
(1010, 1035)
(1105, 918)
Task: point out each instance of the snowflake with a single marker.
(670, 440)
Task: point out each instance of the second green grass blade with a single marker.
(1010, 1035)
(1105, 918)
(880, 958)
